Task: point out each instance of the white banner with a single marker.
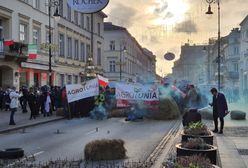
(77, 91)
(136, 92)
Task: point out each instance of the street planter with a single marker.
(207, 138)
(210, 153)
(193, 161)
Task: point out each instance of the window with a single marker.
(82, 58)
(23, 33)
(46, 4)
(36, 4)
(62, 80)
(76, 17)
(112, 66)
(61, 45)
(47, 37)
(69, 80)
(236, 67)
(99, 54)
(112, 45)
(68, 12)
(82, 20)
(76, 50)
(99, 29)
(69, 47)
(87, 51)
(88, 23)
(36, 36)
(236, 50)
(61, 8)
(75, 79)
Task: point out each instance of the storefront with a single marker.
(32, 74)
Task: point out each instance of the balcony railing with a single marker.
(15, 51)
(233, 75)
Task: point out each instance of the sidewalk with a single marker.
(232, 145)
(22, 120)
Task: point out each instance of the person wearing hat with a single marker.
(14, 96)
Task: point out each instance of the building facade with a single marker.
(192, 65)
(124, 58)
(76, 38)
(243, 68)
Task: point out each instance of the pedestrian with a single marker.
(6, 99)
(32, 102)
(24, 99)
(14, 96)
(220, 109)
(47, 105)
(1, 98)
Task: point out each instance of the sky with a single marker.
(165, 25)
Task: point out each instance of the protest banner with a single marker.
(77, 92)
(137, 92)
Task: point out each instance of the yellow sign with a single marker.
(46, 46)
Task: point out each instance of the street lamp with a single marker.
(54, 4)
(121, 51)
(209, 12)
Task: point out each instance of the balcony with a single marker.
(233, 75)
(15, 52)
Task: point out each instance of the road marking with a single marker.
(91, 132)
(26, 158)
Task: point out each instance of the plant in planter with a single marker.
(196, 143)
(197, 146)
(197, 130)
(194, 161)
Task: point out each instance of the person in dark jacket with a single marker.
(32, 102)
(24, 99)
(220, 109)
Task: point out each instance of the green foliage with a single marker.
(195, 161)
(195, 143)
(197, 128)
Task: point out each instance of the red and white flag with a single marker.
(102, 81)
(8, 42)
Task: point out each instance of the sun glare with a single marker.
(174, 13)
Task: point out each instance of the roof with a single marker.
(243, 21)
(108, 26)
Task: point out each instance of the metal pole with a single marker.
(50, 42)
(219, 58)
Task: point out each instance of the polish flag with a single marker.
(102, 81)
(8, 42)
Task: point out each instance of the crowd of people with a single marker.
(39, 101)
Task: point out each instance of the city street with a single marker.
(43, 141)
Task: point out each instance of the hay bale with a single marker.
(105, 150)
(207, 114)
(167, 110)
(238, 115)
(119, 113)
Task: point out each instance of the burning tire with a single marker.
(12, 153)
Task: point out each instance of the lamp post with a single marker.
(209, 12)
(51, 4)
(121, 51)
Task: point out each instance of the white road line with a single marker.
(91, 132)
(28, 157)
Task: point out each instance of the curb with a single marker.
(29, 125)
